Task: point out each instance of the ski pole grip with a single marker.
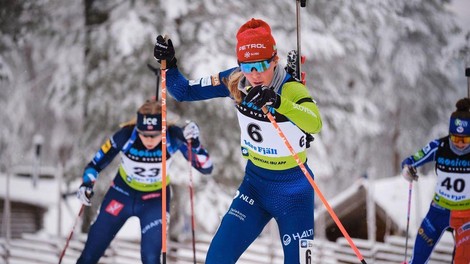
(163, 62)
(303, 3)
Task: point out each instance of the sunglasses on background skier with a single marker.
(457, 139)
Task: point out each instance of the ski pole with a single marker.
(71, 234)
(314, 185)
(410, 189)
(163, 97)
(299, 74)
(191, 193)
(157, 73)
(467, 73)
(297, 12)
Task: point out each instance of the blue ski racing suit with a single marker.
(136, 190)
(273, 186)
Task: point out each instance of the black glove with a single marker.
(262, 95)
(85, 192)
(165, 51)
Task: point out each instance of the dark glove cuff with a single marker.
(87, 184)
(170, 64)
(195, 143)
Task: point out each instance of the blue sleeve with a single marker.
(200, 159)
(209, 87)
(422, 156)
(110, 149)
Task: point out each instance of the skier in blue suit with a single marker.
(450, 207)
(136, 189)
(273, 186)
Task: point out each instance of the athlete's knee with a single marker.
(87, 259)
(427, 236)
(219, 256)
(151, 259)
(219, 260)
(150, 253)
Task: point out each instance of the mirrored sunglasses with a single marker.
(457, 139)
(259, 66)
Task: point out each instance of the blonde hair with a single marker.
(232, 85)
(150, 107)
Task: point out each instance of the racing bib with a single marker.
(142, 176)
(452, 192)
(262, 144)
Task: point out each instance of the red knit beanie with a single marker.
(255, 42)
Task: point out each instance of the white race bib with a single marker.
(452, 186)
(263, 139)
(143, 172)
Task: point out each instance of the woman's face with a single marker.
(260, 77)
(150, 141)
(460, 142)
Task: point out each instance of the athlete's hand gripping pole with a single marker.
(314, 185)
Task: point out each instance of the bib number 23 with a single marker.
(142, 172)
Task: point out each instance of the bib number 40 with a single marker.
(458, 185)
